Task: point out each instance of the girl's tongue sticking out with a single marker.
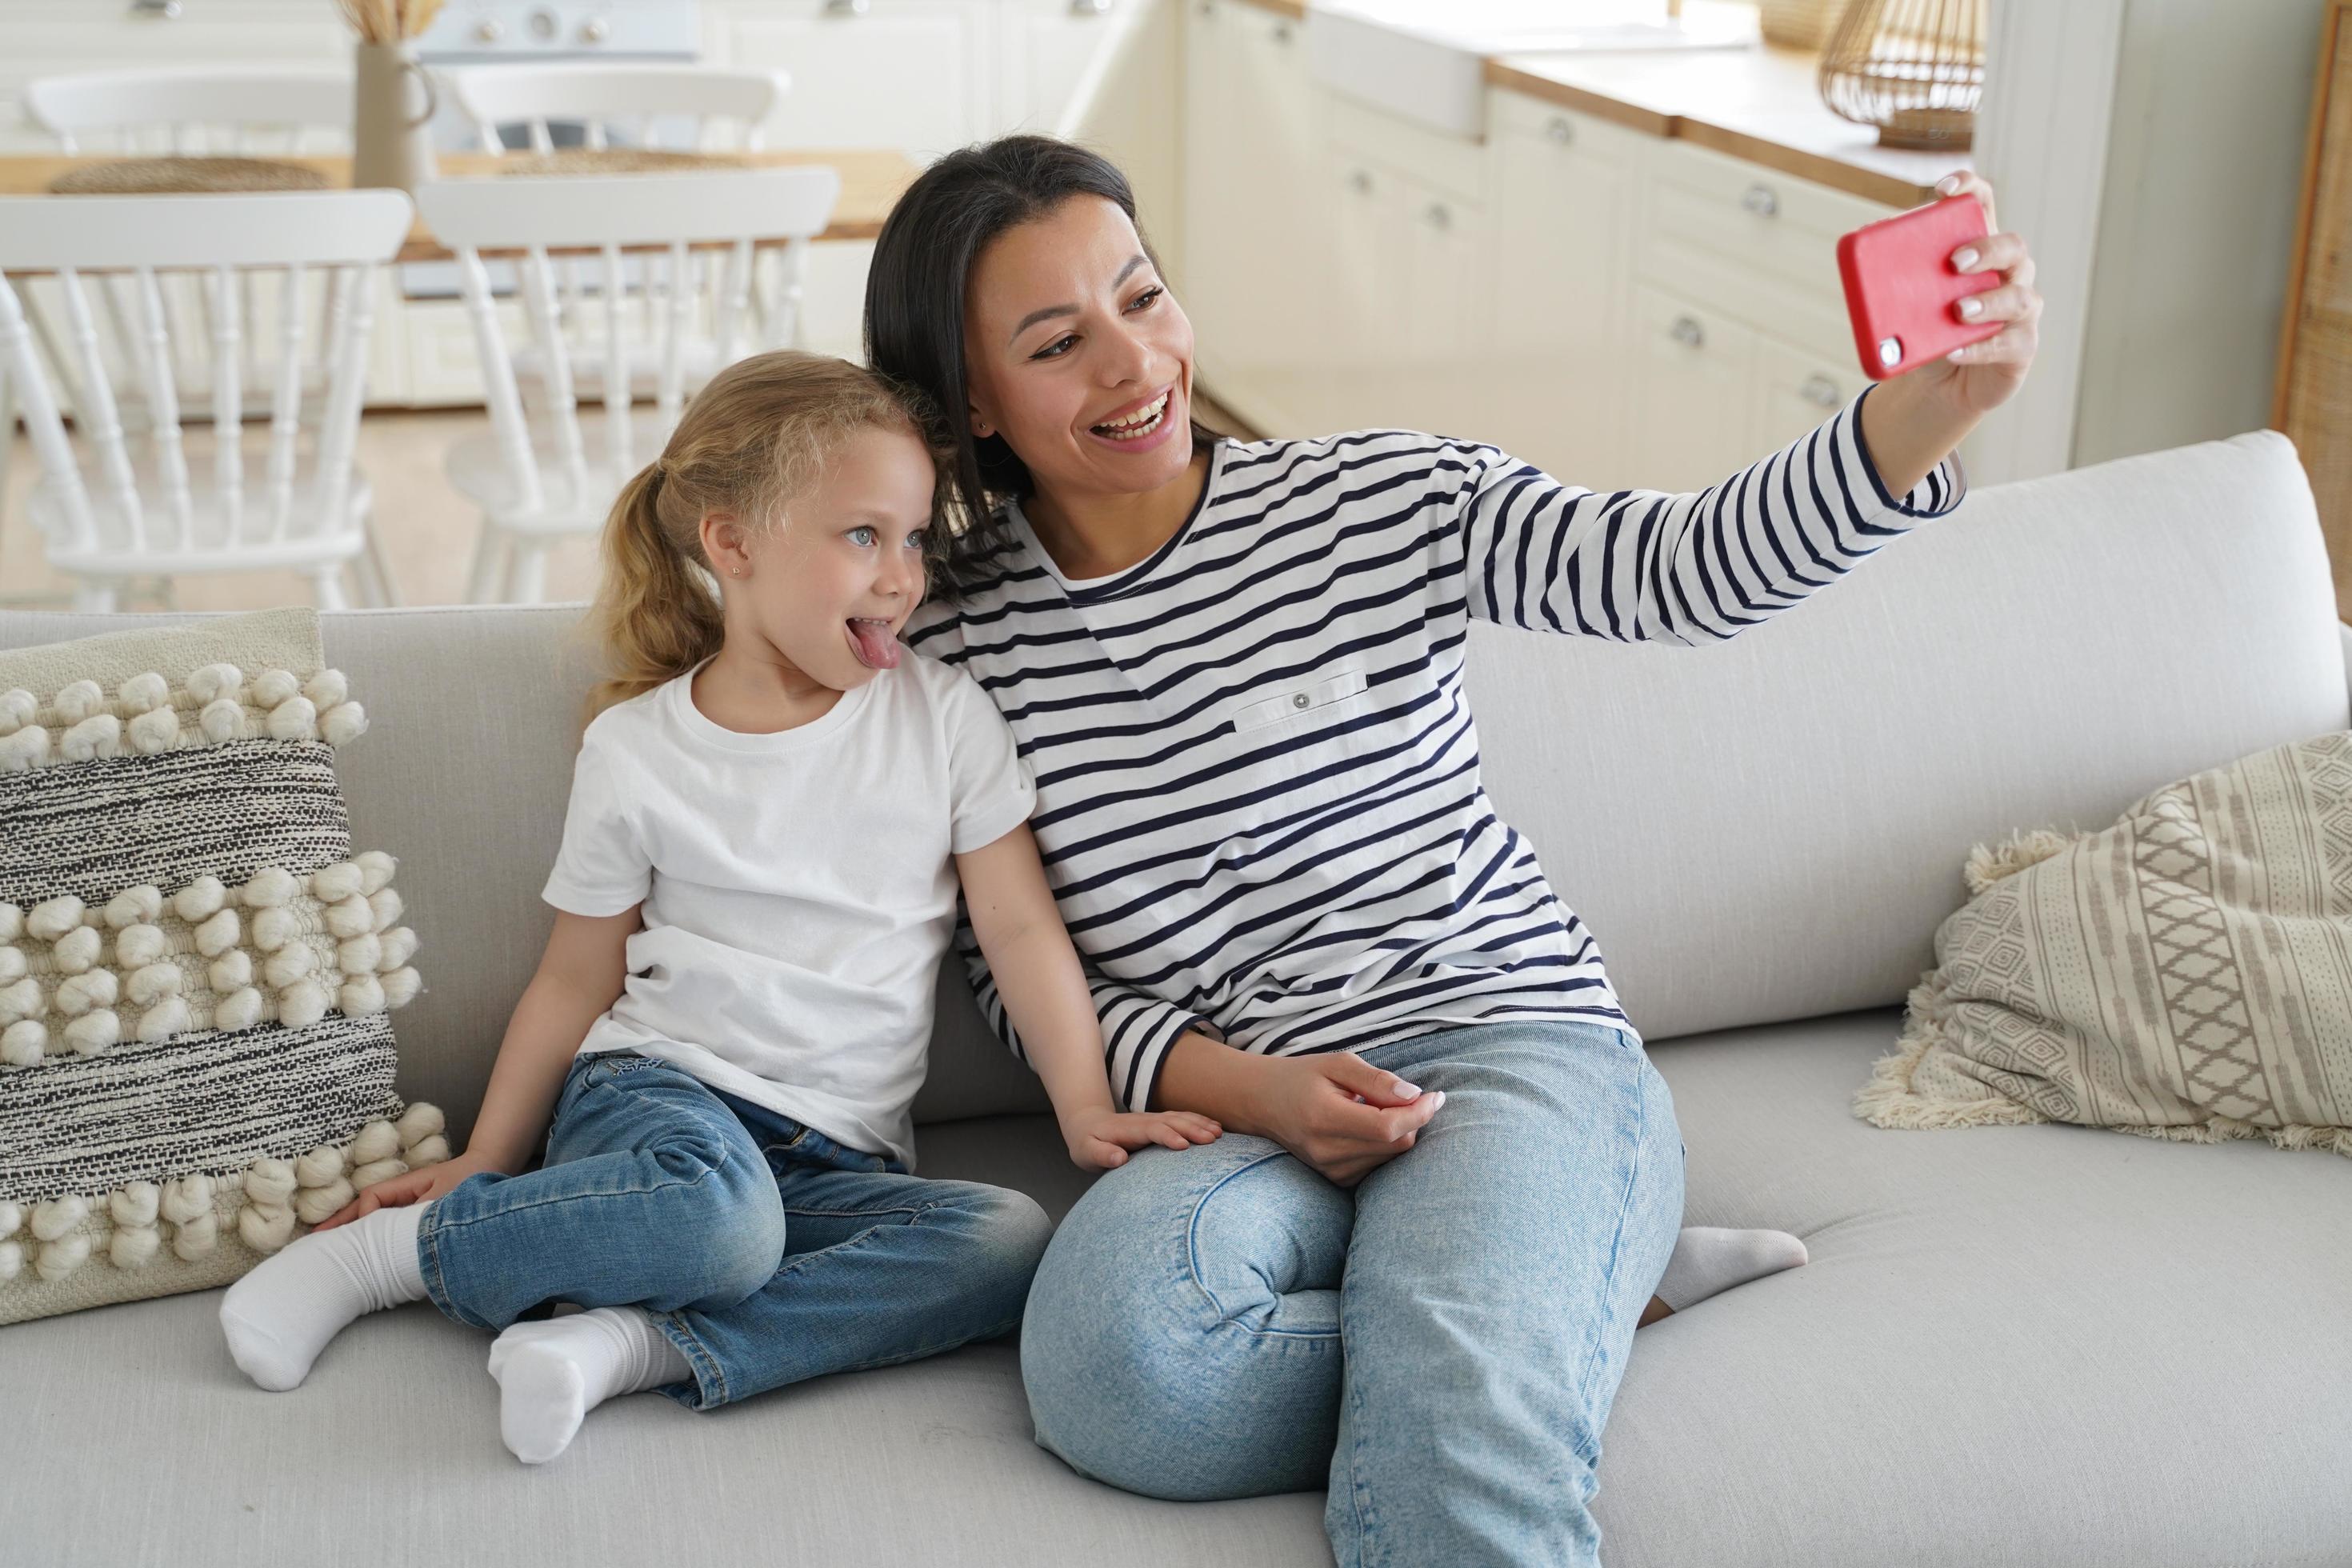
(877, 648)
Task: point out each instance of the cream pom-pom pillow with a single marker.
(2184, 973)
(195, 970)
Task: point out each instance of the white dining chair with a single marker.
(183, 111)
(544, 474)
(195, 111)
(676, 108)
(152, 505)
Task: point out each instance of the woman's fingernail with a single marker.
(1965, 258)
(1971, 309)
(1948, 184)
(1957, 355)
(1410, 1090)
(1438, 1103)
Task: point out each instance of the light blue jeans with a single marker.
(765, 1251)
(1439, 1346)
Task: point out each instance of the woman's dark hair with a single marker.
(914, 303)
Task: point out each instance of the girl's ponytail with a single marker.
(654, 609)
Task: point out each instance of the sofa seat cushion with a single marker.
(2014, 1344)
(2023, 1345)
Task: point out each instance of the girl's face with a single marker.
(1078, 355)
(831, 587)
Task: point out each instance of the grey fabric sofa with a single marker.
(2030, 1345)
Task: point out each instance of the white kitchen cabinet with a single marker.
(1694, 374)
(1618, 310)
(57, 37)
(913, 74)
(1399, 316)
(1795, 391)
(1044, 48)
(1557, 285)
(1253, 253)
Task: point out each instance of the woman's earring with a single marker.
(734, 571)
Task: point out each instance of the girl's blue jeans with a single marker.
(1440, 1346)
(765, 1251)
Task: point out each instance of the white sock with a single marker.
(552, 1373)
(1709, 1261)
(280, 1317)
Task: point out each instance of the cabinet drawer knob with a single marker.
(1439, 215)
(1560, 130)
(1090, 8)
(847, 7)
(1688, 332)
(1820, 391)
(1360, 181)
(1281, 32)
(156, 10)
(1761, 201)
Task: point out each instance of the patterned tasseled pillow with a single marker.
(195, 970)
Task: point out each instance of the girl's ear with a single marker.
(724, 544)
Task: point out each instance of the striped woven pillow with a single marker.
(196, 1060)
(2184, 973)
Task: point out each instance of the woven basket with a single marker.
(1799, 24)
(184, 176)
(1912, 68)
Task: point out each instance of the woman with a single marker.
(1235, 670)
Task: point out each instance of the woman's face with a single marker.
(1078, 355)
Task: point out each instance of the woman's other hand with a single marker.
(1342, 1115)
(1334, 1109)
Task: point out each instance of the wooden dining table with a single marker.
(871, 182)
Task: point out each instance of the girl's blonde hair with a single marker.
(756, 437)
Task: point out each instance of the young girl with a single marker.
(756, 884)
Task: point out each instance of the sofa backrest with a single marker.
(1766, 829)
(1773, 828)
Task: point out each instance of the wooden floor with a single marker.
(428, 529)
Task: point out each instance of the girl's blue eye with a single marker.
(862, 537)
(915, 541)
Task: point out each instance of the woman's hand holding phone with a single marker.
(1979, 377)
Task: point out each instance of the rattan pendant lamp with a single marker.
(1912, 68)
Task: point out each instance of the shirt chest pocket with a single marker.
(1301, 700)
(1304, 739)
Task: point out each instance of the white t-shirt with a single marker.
(798, 887)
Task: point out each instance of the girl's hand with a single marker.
(1982, 376)
(1099, 1140)
(417, 1186)
(1342, 1115)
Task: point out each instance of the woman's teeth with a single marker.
(1142, 422)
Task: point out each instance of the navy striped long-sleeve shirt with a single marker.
(1258, 797)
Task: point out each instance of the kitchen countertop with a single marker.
(1761, 104)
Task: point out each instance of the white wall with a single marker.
(2196, 231)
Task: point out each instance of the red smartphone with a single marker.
(1901, 291)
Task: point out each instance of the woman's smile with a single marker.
(1142, 424)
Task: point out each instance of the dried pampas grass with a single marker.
(388, 21)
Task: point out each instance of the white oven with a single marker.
(522, 32)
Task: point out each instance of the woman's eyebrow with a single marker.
(1049, 311)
